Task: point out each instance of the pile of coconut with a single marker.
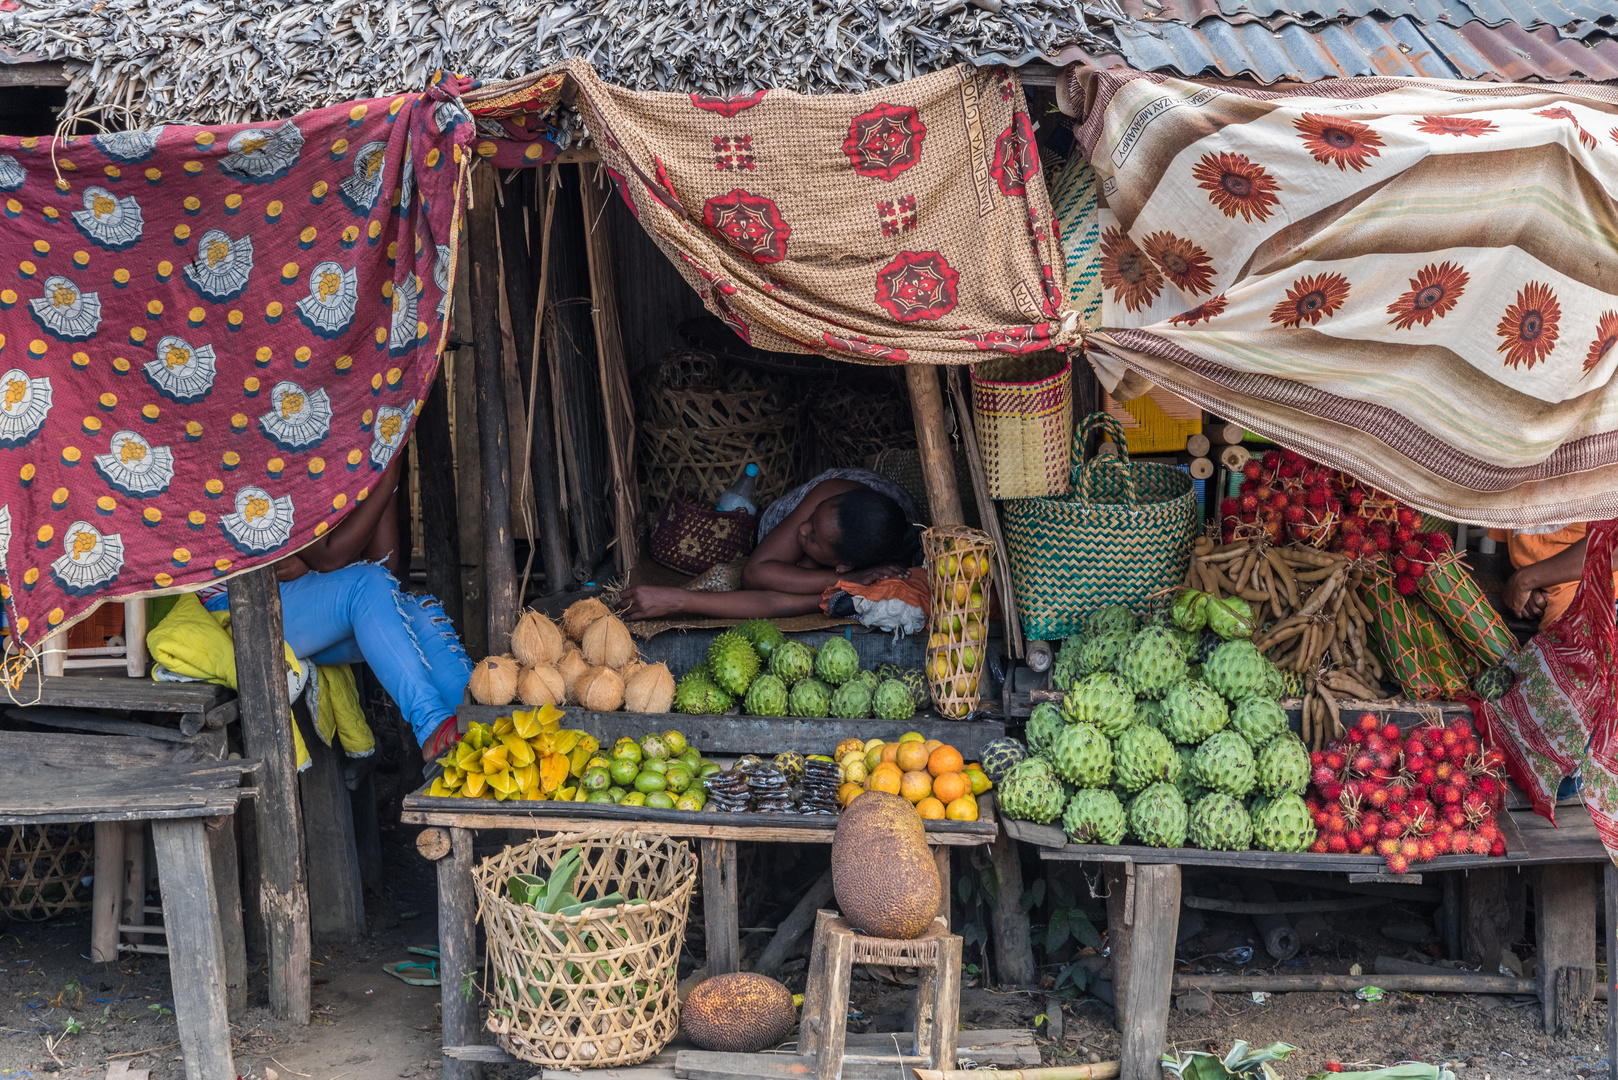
(590, 660)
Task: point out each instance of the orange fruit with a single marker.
(915, 786)
(950, 786)
(890, 751)
(978, 779)
(933, 744)
(963, 809)
(912, 757)
(848, 792)
(944, 759)
(885, 777)
(931, 809)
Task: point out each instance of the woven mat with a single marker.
(647, 572)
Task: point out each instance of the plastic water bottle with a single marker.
(739, 496)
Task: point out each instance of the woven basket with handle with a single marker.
(1023, 409)
(1122, 535)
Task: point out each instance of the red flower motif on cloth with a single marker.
(661, 187)
(1606, 338)
(1182, 262)
(1456, 125)
(1237, 185)
(1528, 331)
(1125, 269)
(1337, 140)
(1311, 298)
(728, 106)
(716, 300)
(1203, 312)
(917, 285)
(1018, 339)
(860, 346)
(1016, 156)
(1559, 113)
(885, 141)
(623, 189)
(751, 223)
(1434, 291)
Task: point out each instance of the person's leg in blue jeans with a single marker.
(447, 663)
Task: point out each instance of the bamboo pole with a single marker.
(932, 440)
(989, 513)
(1458, 982)
(1102, 1070)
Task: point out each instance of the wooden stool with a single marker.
(837, 948)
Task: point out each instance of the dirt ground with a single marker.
(62, 1016)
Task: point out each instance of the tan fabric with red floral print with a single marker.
(1416, 282)
(910, 223)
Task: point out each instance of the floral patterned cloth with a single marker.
(212, 340)
(1416, 282)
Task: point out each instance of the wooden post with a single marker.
(1151, 969)
(1565, 912)
(135, 638)
(988, 514)
(941, 860)
(107, 895)
(1609, 878)
(336, 895)
(469, 507)
(196, 954)
(719, 906)
(1120, 878)
(458, 953)
(53, 654)
(1491, 914)
(227, 883)
(368, 831)
(1008, 922)
(932, 440)
(494, 441)
(133, 901)
(440, 536)
(265, 716)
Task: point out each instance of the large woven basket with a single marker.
(46, 867)
(1121, 537)
(593, 990)
(692, 537)
(1023, 410)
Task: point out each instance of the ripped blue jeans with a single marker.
(358, 614)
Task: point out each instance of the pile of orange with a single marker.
(929, 773)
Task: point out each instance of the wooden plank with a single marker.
(833, 1014)
(132, 882)
(135, 659)
(336, 894)
(1151, 970)
(1120, 879)
(440, 536)
(84, 720)
(457, 953)
(941, 861)
(107, 892)
(196, 957)
(1452, 982)
(945, 1028)
(1564, 915)
(932, 440)
(227, 883)
(255, 608)
(368, 831)
(719, 907)
(120, 692)
(1008, 922)
(1609, 896)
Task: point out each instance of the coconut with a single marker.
(536, 641)
(607, 643)
(541, 685)
(578, 617)
(571, 666)
(600, 689)
(650, 689)
(627, 672)
(494, 681)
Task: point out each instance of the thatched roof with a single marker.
(221, 61)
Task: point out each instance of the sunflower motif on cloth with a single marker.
(403, 330)
(861, 346)
(260, 524)
(917, 285)
(65, 312)
(751, 223)
(89, 561)
(364, 184)
(108, 221)
(128, 147)
(1606, 338)
(1237, 185)
(1559, 113)
(221, 268)
(1182, 262)
(728, 106)
(1203, 312)
(24, 404)
(1339, 141)
(1016, 156)
(262, 155)
(1456, 125)
(442, 262)
(12, 175)
(134, 467)
(181, 372)
(1434, 292)
(1125, 269)
(885, 141)
(1311, 298)
(387, 435)
(298, 419)
(1528, 329)
(334, 294)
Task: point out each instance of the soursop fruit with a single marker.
(1192, 711)
(1043, 725)
(871, 680)
(809, 697)
(768, 696)
(1149, 711)
(892, 701)
(1494, 683)
(1000, 755)
(1283, 824)
(689, 695)
(914, 679)
(763, 635)
(851, 701)
(1100, 652)
(1238, 670)
(1032, 792)
(1094, 816)
(837, 662)
(1190, 610)
(1224, 762)
(1187, 640)
(734, 663)
(1082, 756)
(1259, 719)
(1066, 668)
(1141, 757)
(1190, 790)
(1104, 700)
(792, 661)
(1282, 766)
(1112, 619)
(1231, 617)
(1157, 816)
(1152, 663)
(1220, 823)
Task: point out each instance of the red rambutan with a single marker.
(1406, 517)
(1417, 570)
(1336, 844)
(1355, 838)
(1272, 460)
(1497, 849)
(1404, 584)
(1412, 549)
(1249, 503)
(1293, 515)
(1334, 760)
(1253, 470)
(1387, 846)
(1319, 846)
(1427, 850)
(1479, 845)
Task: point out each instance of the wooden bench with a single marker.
(198, 705)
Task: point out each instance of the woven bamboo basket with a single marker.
(45, 871)
(593, 990)
(960, 577)
(855, 421)
(1023, 409)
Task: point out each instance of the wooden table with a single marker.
(197, 704)
(111, 780)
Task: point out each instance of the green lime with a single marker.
(617, 793)
(623, 771)
(691, 758)
(649, 782)
(595, 779)
(626, 748)
(675, 741)
(598, 761)
(634, 798)
(653, 746)
(709, 768)
(660, 800)
(678, 777)
(657, 765)
(688, 801)
(599, 796)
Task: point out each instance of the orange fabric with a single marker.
(1526, 549)
(912, 590)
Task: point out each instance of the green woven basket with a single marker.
(1123, 534)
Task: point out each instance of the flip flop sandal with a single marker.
(424, 950)
(403, 971)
